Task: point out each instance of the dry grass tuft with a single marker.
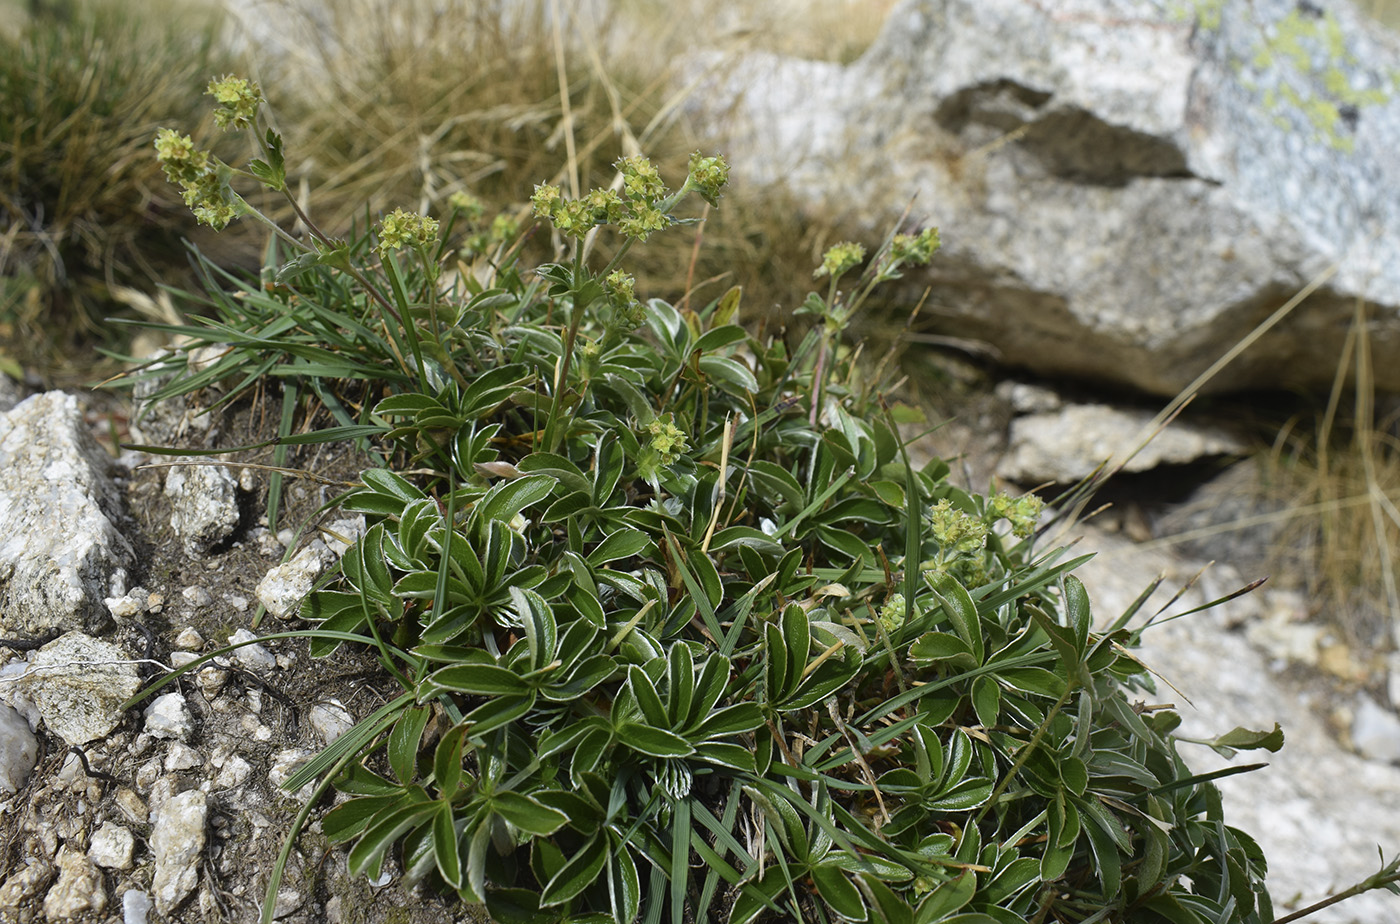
(83, 205)
(1346, 472)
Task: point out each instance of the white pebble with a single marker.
(169, 717)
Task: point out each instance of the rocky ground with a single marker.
(172, 811)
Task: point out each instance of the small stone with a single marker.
(182, 757)
(71, 774)
(197, 597)
(284, 586)
(204, 509)
(288, 900)
(169, 717)
(179, 659)
(131, 806)
(78, 889)
(234, 773)
(177, 840)
(147, 774)
(189, 638)
(136, 906)
(111, 847)
(1066, 445)
(285, 764)
(24, 884)
(331, 720)
(79, 685)
(211, 680)
(19, 750)
(342, 534)
(133, 603)
(252, 656)
(61, 552)
(238, 602)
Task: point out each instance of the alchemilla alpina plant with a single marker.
(679, 630)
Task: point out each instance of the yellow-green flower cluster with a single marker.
(891, 615)
(238, 101)
(470, 207)
(640, 179)
(667, 439)
(915, 248)
(400, 228)
(956, 531)
(708, 175)
(637, 212)
(203, 180)
(839, 259)
(1021, 512)
(628, 313)
(643, 221)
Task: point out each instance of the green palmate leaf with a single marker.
(961, 612)
(938, 647)
(839, 892)
(580, 872)
(528, 814)
(413, 810)
(654, 742)
(445, 847)
(447, 761)
(946, 898)
(624, 543)
(508, 498)
(403, 742)
(350, 819)
(537, 619)
(624, 886)
(496, 713)
(728, 374)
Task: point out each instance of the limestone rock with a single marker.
(111, 846)
(19, 749)
(24, 884)
(1064, 446)
(136, 906)
(79, 685)
(251, 654)
(331, 720)
(204, 505)
(61, 553)
(284, 586)
(78, 889)
(177, 840)
(168, 716)
(1123, 192)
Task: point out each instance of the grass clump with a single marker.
(83, 209)
(680, 631)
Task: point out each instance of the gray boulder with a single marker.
(1124, 191)
(61, 553)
